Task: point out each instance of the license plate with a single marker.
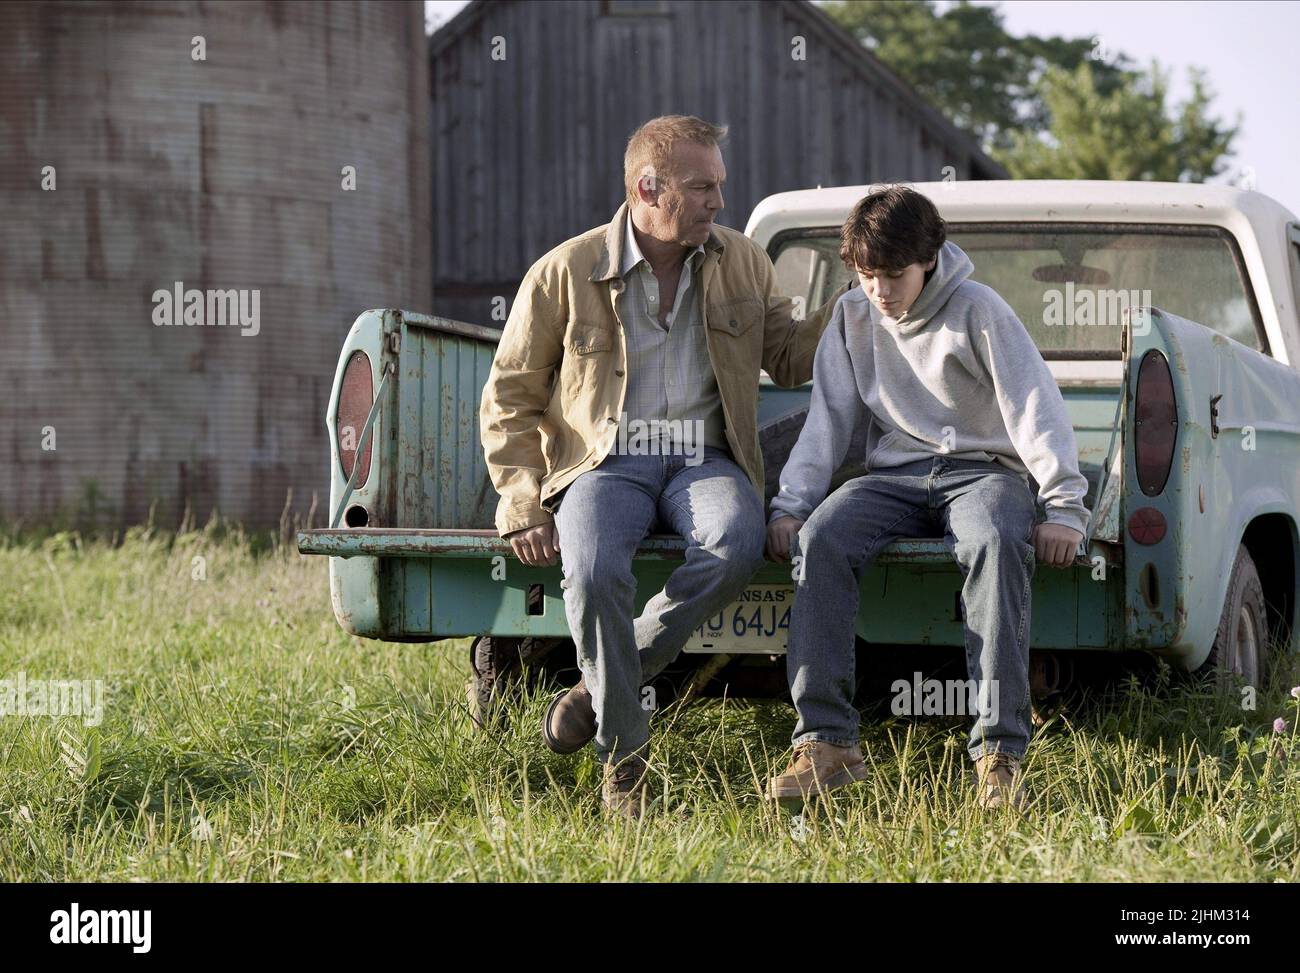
(756, 623)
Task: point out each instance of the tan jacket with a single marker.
(555, 391)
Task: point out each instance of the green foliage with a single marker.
(1129, 134)
(1044, 107)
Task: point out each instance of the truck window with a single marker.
(1070, 283)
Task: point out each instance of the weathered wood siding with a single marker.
(528, 151)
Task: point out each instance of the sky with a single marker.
(1247, 47)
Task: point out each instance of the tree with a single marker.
(1128, 134)
(1042, 106)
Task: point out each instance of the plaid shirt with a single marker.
(559, 373)
(669, 372)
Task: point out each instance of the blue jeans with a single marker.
(602, 517)
(986, 513)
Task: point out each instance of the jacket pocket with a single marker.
(584, 341)
(735, 317)
(588, 352)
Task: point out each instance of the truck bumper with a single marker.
(425, 585)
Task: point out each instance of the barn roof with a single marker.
(821, 25)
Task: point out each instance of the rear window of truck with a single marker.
(1069, 283)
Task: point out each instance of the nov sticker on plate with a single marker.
(757, 623)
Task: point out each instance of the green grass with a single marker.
(245, 737)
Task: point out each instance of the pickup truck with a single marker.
(1166, 312)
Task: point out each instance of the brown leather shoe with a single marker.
(623, 787)
(997, 782)
(816, 768)
(570, 720)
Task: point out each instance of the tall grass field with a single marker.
(244, 737)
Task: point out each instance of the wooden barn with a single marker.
(533, 104)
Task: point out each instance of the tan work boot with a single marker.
(997, 782)
(623, 787)
(570, 720)
(816, 768)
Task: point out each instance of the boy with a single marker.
(958, 406)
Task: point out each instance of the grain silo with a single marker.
(196, 147)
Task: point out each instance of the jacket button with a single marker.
(610, 419)
(619, 374)
(732, 322)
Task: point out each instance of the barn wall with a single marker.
(528, 151)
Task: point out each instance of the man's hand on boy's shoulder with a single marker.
(1055, 544)
(780, 533)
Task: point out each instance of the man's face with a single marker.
(895, 291)
(690, 196)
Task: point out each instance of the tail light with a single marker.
(355, 398)
(1155, 425)
(1147, 525)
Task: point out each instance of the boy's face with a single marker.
(894, 291)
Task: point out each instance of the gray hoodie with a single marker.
(956, 375)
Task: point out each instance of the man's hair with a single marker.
(891, 228)
(651, 146)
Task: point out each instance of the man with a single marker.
(958, 406)
(623, 397)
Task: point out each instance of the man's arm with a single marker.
(1036, 418)
(789, 344)
(834, 412)
(516, 395)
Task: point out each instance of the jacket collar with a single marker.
(610, 262)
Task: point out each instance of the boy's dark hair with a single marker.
(890, 229)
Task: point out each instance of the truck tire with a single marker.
(1241, 643)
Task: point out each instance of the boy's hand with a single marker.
(1055, 544)
(780, 533)
(536, 546)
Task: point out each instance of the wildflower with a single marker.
(1279, 725)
